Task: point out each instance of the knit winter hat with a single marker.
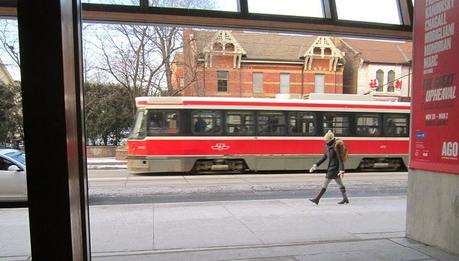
(329, 136)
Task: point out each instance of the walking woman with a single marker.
(335, 153)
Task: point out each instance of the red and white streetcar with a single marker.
(199, 134)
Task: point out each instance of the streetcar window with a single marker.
(271, 123)
(240, 123)
(396, 125)
(339, 124)
(138, 132)
(368, 125)
(161, 122)
(302, 123)
(154, 122)
(206, 122)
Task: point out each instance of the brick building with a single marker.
(248, 64)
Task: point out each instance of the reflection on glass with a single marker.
(310, 8)
(218, 5)
(112, 2)
(381, 11)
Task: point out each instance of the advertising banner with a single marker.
(435, 109)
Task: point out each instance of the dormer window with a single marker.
(218, 47)
(323, 48)
(317, 50)
(223, 43)
(229, 47)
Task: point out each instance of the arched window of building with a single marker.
(390, 81)
(327, 51)
(317, 50)
(218, 47)
(380, 79)
(229, 47)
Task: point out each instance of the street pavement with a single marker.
(121, 187)
(262, 217)
(369, 228)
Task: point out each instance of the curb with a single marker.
(99, 166)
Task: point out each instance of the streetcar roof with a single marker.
(267, 103)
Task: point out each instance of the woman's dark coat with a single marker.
(335, 163)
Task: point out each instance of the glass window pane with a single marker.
(155, 122)
(368, 125)
(302, 123)
(285, 83)
(339, 124)
(138, 131)
(390, 81)
(271, 123)
(207, 122)
(380, 80)
(222, 81)
(319, 83)
(112, 2)
(396, 125)
(240, 123)
(309, 8)
(218, 5)
(382, 11)
(257, 82)
(161, 122)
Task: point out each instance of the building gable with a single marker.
(323, 48)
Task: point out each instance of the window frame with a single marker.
(350, 126)
(386, 132)
(219, 80)
(284, 116)
(258, 89)
(390, 81)
(193, 124)
(140, 124)
(316, 77)
(301, 134)
(280, 83)
(380, 87)
(164, 113)
(379, 131)
(244, 125)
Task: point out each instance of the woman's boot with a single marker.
(345, 199)
(316, 200)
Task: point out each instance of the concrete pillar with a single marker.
(433, 209)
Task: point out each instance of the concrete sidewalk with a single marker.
(371, 228)
(106, 163)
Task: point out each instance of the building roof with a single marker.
(290, 47)
(374, 51)
(264, 46)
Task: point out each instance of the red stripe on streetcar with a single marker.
(260, 147)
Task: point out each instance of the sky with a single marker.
(382, 11)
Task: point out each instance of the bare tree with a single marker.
(138, 57)
(128, 54)
(9, 40)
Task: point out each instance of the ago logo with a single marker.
(450, 149)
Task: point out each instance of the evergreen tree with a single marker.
(108, 113)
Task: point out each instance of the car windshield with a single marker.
(17, 155)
